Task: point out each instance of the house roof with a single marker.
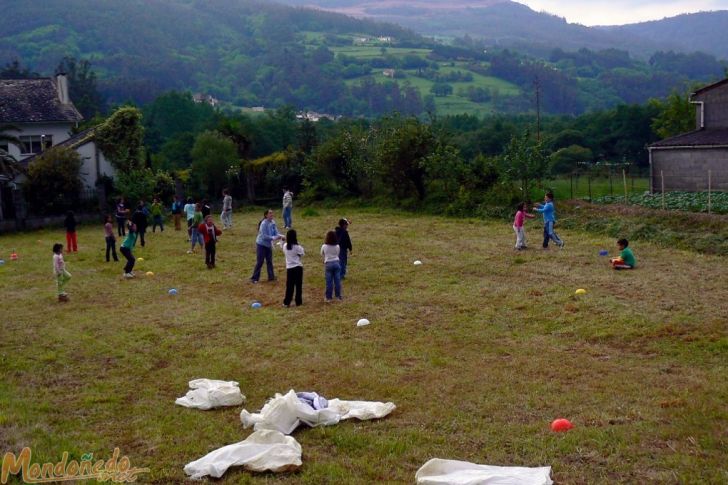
(698, 138)
(34, 101)
(710, 86)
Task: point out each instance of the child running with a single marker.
(59, 270)
(294, 268)
(549, 219)
(626, 259)
(71, 236)
(521, 215)
(332, 268)
(210, 232)
(110, 239)
(126, 249)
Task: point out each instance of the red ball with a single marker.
(561, 425)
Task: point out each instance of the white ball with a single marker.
(417, 263)
(362, 322)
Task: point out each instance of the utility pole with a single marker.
(537, 85)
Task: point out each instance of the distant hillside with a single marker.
(143, 47)
(704, 31)
(249, 53)
(510, 24)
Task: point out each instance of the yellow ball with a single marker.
(580, 291)
(149, 273)
(140, 259)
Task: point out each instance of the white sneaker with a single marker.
(128, 275)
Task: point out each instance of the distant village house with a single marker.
(44, 116)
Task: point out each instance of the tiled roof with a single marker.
(697, 138)
(32, 101)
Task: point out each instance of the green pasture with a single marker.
(480, 348)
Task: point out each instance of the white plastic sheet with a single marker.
(285, 413)
(208, 393)
(453, 472)
(261, 451)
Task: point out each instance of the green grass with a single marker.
(578, 188)
(480, 348)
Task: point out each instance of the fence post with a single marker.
(709, 173)
(624, 179)
(571, 184)
(589, 180)
(662, 182)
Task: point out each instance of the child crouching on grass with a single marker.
(294, 268)
(59, 269)
(626, 259)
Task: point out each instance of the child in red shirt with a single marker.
(209, 232)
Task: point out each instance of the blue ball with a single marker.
(603, 252)
(2, 261)
(173, 291)
(256, 305)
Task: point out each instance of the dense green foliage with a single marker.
(53, 184)
(684, 201)
(249, 53)
(121, 137)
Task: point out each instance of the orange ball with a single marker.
(561, 425)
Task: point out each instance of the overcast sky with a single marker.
(617, 12)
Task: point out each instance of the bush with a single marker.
(53, 185)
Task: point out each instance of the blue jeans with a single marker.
(158, 222)
(287, 222)
(263, 253)
(343, 259)
(196, 237)
(332, 272)
(548, 233)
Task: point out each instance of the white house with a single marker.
(43, 115)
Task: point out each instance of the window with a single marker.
(32, 144)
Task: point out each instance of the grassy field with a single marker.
(578, 188)
(480, 348)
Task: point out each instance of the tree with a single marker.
(120, 139)
(53, 184)
(143, 183)
(82, 87)
(441, 89)
(676, 115)
(523, 161)
(212, 156)
(14, 70)
(565, 160)
(9, 166)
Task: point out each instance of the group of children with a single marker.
(625, 260)
(334, 251)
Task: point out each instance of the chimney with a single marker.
(62, 87)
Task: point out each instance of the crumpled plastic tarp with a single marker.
(453, 472)
(285, 413)
(208, 393)
(261, 451)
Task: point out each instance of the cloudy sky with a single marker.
(595, 12)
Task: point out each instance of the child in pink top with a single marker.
(521, 215)
(59, 270)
